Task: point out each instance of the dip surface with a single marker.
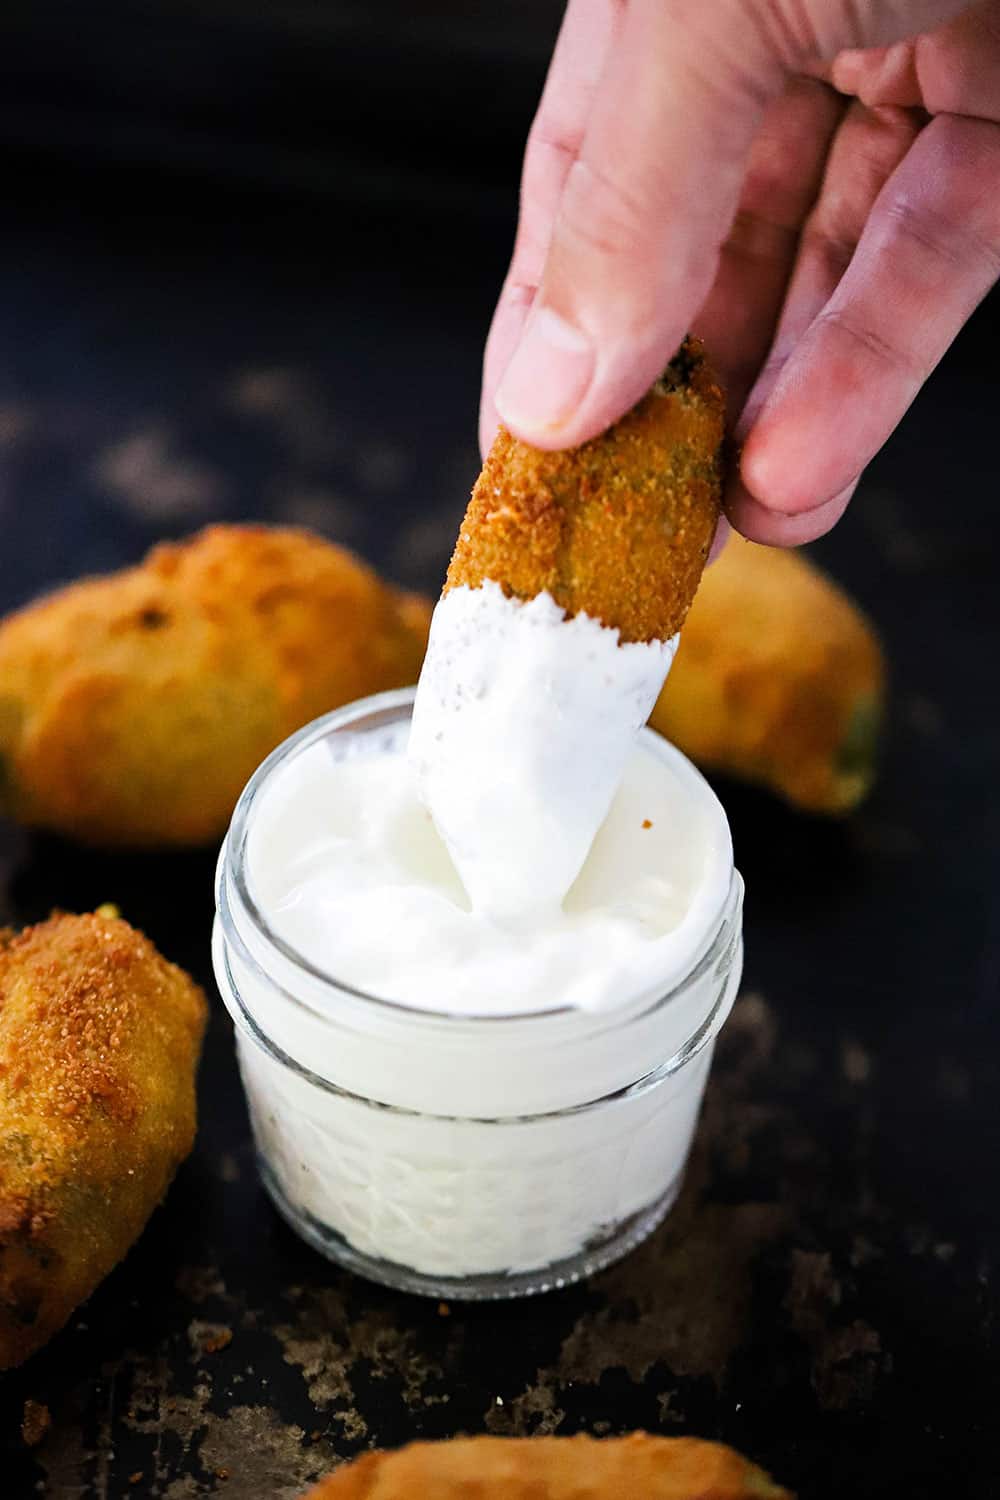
(348, 869)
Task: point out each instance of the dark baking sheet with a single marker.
(825, 1295)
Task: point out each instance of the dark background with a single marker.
(248, 260)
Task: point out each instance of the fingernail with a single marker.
(547, 377)
(770, 481)
(722, 534)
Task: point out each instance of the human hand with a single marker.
(811, 185)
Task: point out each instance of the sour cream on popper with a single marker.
(523, 723)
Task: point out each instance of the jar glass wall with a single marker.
(458, 1155)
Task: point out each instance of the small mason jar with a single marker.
(449, 1154)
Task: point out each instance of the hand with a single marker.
(811, 185)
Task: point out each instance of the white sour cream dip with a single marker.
(352, 873)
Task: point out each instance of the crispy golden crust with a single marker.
(779, 679)
(638, 1467)
(99, 1041)
(133, 708)
(619, 528)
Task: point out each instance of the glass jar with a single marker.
(388, 1137)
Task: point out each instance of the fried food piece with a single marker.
(618, 528)
(133, 708)
(99, 1041)
(778, 679)
(637, 1467)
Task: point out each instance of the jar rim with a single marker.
(382, 709)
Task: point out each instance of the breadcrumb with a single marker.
(35, 1423)
(99, 1040)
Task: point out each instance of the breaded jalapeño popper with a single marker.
(99, 1042)
(637, 1466)
(619, 528)
(572, 575)
(780, 679)
(134, 707)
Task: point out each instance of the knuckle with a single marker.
(760, 240)
(547, 138)
(601, 213)
(796, 30)
(518, 293)
(786, 28)
(943, 236)
(846, 325)
(834, 250)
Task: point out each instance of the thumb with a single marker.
(645, 207)
(654, 189)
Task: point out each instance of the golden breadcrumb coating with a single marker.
(134, 708)
(637, 1467)
(99, 1042)
(778, 679)
(618, 528)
